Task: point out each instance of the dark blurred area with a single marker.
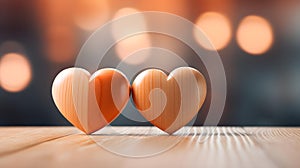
(258, 41)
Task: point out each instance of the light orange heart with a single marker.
(90, 102)
(169, 102)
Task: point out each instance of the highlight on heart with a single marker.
(167, 101)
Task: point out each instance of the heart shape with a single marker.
(90, 102)
(169, 102)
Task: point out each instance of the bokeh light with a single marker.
(60, 43)
(90, 14)
(254, 35)
(128, 46)
(217, 28)
(15, 72)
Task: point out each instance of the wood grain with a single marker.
(169, 102)
(90, 102)
(203, 147)
(62, 93)
(15, 139)
(282, 145)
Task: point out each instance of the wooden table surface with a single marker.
(44, 147)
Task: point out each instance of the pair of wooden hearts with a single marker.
(92, 102)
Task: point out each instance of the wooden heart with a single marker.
(90, 102)
(169, 102)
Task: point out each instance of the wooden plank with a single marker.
(14, 139)
(203, 147)
(281, 144)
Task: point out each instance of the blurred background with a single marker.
(258, 41)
